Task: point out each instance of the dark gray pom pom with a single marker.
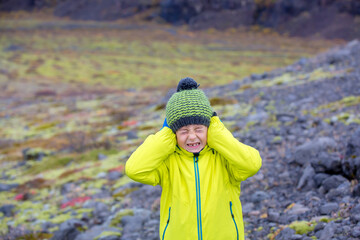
(187, 84)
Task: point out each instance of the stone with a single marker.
(72, 223)
(328, 208)
(307, 179)
(132, 135)
(285, 234)
(114, 175)
(101, 210)
(356, 191)
(356, 232)
(327, 162)
(333, 181)
(351, 162)
(259, 196)
(101, 175)
(273, 216)
(296, 237)
(7, 187)
(307, 151)
(319, 178)
(7, 210)
(339, 192)
(67, 233)
(298, 209)
(101, 157)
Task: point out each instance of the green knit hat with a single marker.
(188, 105)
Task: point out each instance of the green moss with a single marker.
(119, 215)
(259, 229)
(106, 234)
(60, 218)
(52, 162)
(277, 139)
(302, 227)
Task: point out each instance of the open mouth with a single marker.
(193, 145)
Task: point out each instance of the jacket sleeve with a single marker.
(146, 164)
(242, 161)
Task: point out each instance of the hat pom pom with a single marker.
(187, 84)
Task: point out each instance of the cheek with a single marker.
(181, 140)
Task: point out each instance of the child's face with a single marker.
(192, 138)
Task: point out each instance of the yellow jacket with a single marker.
(200, 192)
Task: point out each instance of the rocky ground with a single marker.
(304, 119)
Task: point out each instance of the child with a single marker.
(199, 165)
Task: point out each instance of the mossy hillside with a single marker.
(113, 56)
(343, 110)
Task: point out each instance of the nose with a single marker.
(192, 135)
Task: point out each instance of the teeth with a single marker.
(194, 144)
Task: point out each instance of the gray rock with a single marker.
(285, 234)
(101, 210)
(319, 226)
(113, 175)
(298, 209)
(319, 178)
(145, 196)
(327, 162)
(259, 196)
(310, 150)
(248, 207)
(132, 135)
(7, 187)
(287, 218)
(101, 175)
(328, 231)
(67, 187)
(351, 163)
(65, 234)
(273, 216)
(7, 210)
(307, 179)
(296, 237)
(356, 232)
(339, 192)
(333, 181)
(72, 223)
(101, 156)
(356, 191)
(258, 117)
(328, 208)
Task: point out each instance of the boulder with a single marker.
(311, 150)
(333, 181)
(351, 162)
(7, 210)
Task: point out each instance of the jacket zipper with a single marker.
(167, 224)
(198, 197)
(233, 217)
